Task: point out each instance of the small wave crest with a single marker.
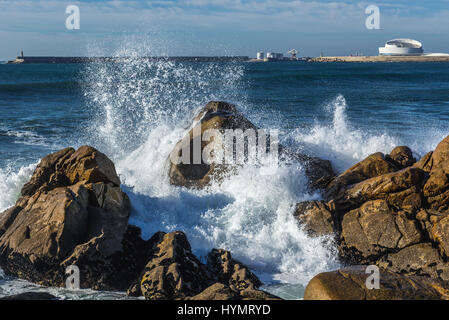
(341, 143)
(11, 183)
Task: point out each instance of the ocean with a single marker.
(136, 111)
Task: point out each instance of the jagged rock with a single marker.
(350, 284)
(390, 211)
(173, 272)
(399, 188)
(229, 271)
(436, 189)
(402, 156)
(374, 230)
(30, 296)
(419, 259)
(425, 163)
(439, 233)
(224, 116)
(316, 217)
(373, 166)
(71, 212)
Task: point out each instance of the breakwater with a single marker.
(428, 58)
(41, 59)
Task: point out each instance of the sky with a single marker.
(217, 27)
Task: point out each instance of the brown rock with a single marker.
(217, 291)
(231, 272)
(418, 259)
(396, 187)
(172, 272)
(441, 153)
(402, 156)
(315, 217)
(439, 233)
(72, 211)
(374, 230)
(223, 116)
(425, 163)
(349, 284)
(373, 166)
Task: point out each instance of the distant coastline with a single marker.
(49, 59)
(357, 59)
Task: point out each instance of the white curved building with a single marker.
(402, 47)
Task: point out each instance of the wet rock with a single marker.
(374, 230)
(173, 272)
(350, 284)
(71, 212)
(229, 271)
(185, 170)
(398, 220)
(316, 217)
(425, 163)
(398, 188)
(373, 166)
(402, 156)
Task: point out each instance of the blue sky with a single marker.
(217, 27)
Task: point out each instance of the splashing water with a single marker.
(142, 108)
(12, 182)
(339, 142)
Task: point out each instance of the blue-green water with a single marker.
(136, 111)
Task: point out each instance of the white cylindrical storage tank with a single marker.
(260, 55)
(270, 55)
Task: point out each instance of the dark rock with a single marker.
(173, 272)
(229, 271)
(349, 284)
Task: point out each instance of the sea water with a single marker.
(136, 110)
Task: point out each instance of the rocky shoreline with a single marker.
(388, 210)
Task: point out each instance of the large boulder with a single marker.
(174, 272)
(222, 116)
(71, 212)
(350, 284)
